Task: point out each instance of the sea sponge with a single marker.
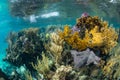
(93, 33)
(84, 57)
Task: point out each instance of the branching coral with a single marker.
(55, 46)
(56, 39)
(28, 75)
(108, 69)
(111, 69)
(93, 33)
(42, 66)
(61, 72)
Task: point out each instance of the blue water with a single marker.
(11, 23)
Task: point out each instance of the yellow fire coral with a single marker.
(97, 34)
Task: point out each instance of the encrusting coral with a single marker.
(92, 33)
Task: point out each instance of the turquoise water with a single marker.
(68, 12)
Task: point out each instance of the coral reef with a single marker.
(77, 53)
(92, 33)
(24, 47)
